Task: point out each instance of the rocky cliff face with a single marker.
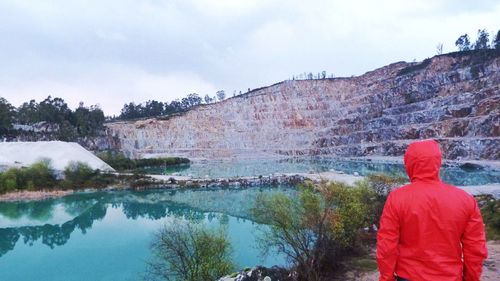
(453, 98)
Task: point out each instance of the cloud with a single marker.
(136, 50)
(108, 85)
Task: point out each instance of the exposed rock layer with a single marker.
(452, 98)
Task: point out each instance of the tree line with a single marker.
(311, 76)
(65, 123)
(153, 108)
(482, 42)
(68, 125)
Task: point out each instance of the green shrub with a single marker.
(8, 180)
(39, 175)
(117, 160)
(316, 230)
(380, 185)
(120, 162)
(78, 174)
(189, 252)
(490, 210)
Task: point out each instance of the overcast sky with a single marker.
(117, 51)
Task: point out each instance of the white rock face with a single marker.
(452, 99)
(60, 154)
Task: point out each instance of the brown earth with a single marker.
(33, 195)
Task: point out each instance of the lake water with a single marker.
(106, 235)
(250, 167)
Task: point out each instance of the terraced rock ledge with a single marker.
(453, 98)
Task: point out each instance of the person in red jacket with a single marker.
(430, 230)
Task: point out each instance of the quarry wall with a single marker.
(452, 98)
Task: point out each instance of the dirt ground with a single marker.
(491, 268)
(33, 195)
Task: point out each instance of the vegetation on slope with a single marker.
(51, 118)
(77, 175)
(120, 162)
(479, 52)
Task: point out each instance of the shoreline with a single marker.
(179, 182)
(26, 195)
(488, 164)
(168, 182)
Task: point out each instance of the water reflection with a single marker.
(51, 234)
(256, 167)
(86, 208)
(33, 210)
(168, 170)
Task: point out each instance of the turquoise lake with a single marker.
(106, 235)
(264, 167)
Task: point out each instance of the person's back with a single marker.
(430, 230)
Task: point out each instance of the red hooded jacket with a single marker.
(430, 230)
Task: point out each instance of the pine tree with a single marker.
(463, 43)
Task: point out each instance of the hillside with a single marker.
(453, 98)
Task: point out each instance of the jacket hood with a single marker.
(423, 161)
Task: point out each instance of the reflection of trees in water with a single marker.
(159, 210)
(8, 239)
(77, 207)
(51, 235)
(134, 210)
(92, 209)
(36, 210)
(11, 210)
